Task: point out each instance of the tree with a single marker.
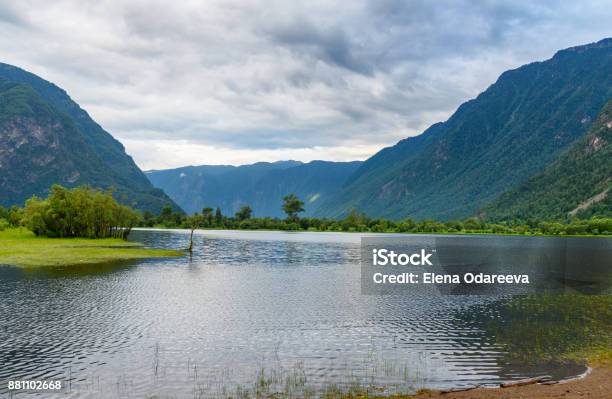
(292, 206)
(34, 216)
(218, 218)
(148, 218)
(244, 213)
(165, 215)
(15, 215)
(207, 214)
(78, 212)
(355, 220)
(195, 221)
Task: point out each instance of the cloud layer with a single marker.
(193, 82)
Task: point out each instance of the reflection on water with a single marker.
(277, 308)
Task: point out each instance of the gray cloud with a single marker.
(331, 46)
(8, 15)
(237, 81)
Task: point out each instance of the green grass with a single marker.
(554, 327)
(20, 247)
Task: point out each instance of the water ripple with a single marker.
(196, 327)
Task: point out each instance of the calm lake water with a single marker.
(284, 310)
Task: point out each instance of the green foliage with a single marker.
(580, 174)
(207, 215)
(244, 213)
(292, 206)
(17, 100)
(195, 221)
(218, 218)
(169, 217)
(12, 216)
(148, 219)
(78, 212)
(357, 221)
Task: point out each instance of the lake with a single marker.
(278, 312)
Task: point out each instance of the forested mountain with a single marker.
(261, 185)
(507, 134)
(46, 138)
(578, 183)
(520, 127)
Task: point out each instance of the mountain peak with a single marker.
(47, 138)
(601, 44)
(508, 133)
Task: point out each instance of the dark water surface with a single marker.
(281, 309)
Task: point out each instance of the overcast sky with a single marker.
(233, 82)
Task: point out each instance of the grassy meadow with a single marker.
(20, 247)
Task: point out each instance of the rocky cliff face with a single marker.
(42, 144)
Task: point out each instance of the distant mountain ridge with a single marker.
(47, 138)
(520, 149)
(508, 133)
(261, 185)
(578, 182)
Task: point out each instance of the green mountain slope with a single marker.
(510, 132)
(578, 183)
(261, 186)
(47, 138)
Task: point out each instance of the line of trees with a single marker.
(356, 221)
(77, 212)
(84, 212)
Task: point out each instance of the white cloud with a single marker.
(163, 153)
(234, 82)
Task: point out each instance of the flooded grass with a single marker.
(287, 382)
(20, 247)
(554, 327)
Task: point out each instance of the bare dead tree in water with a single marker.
(195, 221)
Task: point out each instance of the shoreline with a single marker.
(21, 248)
(595, 382)
(376, 232)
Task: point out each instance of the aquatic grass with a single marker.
(279, 381)
(20, 247)
(553, 327)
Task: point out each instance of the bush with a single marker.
(78, 212)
